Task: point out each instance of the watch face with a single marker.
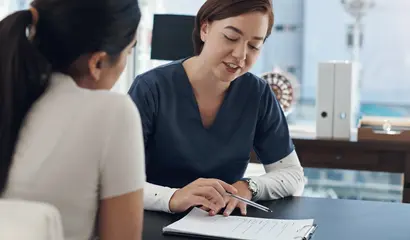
(253, 187)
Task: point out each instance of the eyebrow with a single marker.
(237, 30)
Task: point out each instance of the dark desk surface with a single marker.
(336, 219)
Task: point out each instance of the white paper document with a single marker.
(199, 223)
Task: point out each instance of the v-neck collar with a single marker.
(188, 89)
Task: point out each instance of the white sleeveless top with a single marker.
(78, 146)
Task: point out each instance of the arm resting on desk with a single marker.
(156, 198)
(283, 178)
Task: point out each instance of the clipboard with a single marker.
(198, 223)
(307, 236)
(310, 232)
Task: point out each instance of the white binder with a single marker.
(337, 99)
(325, 101)
(346, 100)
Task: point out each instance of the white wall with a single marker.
(324, 39)
(4, 8)
(386, 54)
(182, 7)
(283, 48)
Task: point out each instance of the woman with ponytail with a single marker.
(63, 136)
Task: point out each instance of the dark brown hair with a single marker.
(214, 10)
(66, 30)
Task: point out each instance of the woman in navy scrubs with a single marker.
(203, 115)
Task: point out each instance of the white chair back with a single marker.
(29, 221)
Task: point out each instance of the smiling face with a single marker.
(232, 45)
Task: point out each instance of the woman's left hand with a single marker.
(232, 203)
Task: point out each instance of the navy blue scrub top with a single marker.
(179, 149)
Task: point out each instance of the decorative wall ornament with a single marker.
(286, 88)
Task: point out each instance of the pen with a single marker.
(250, 203)
(310, 232)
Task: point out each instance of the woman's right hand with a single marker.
(208, 193)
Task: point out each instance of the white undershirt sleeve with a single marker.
(283, 178)
(156, 198)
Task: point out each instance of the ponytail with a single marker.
(24, 75)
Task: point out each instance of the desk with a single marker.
(377, 156)
(337, 219)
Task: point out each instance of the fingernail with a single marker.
(212, 212)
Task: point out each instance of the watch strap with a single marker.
(250, 181)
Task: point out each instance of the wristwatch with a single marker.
(252, 186)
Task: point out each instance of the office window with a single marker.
(327, 35)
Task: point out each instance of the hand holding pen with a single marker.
(208, 193)
(240, 200)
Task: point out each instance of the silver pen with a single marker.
(250, 203)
